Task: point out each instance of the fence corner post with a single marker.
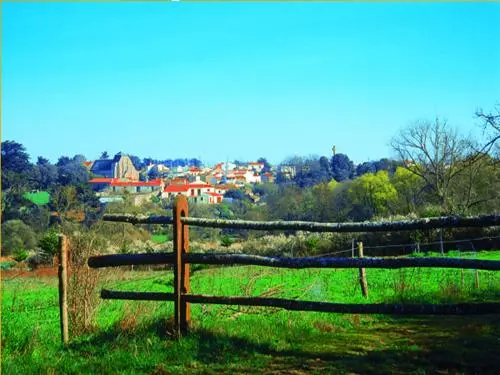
(182, 310)
(63, 287)
(362, 273)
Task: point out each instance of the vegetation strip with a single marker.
(287, 304)
(383, 226)
(256, 260)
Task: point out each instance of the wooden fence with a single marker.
(181, 258)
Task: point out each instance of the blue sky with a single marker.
(241, 80)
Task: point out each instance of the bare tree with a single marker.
(491, 129)
(434, 151)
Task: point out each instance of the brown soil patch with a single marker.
(39, 272)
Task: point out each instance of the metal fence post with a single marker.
(182, 314)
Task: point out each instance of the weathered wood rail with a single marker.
(181, 258)
(290, 304)
(384, 226)
(116, 260)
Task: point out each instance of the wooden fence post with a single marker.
(441, 247)
(63, 287)
(182, 314)
(476, 279)
(362, 273)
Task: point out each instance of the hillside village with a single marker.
(202, 185)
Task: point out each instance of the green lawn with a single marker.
(159, 238)
(41, 198)
(134, 337)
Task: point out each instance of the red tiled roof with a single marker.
(176, 188)
(215, 194)
(156, 182)
(101, 180)
(226, 187)
(87, 163)
(199, 185)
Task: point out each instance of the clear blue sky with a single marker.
(241, 80)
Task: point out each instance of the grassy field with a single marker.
(134, 337)
(41, 198)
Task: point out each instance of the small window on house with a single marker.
(199, 191)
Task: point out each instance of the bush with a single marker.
(226, 241)
(20, 255)
(17, 235)
(49, 243)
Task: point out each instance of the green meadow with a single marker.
(40, 198)
(136, 337)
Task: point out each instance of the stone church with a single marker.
(120, 167)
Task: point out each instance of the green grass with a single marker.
(133, 337)
(159, 238)
(41, 198)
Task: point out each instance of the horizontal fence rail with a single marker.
(138, 219)
(383, 226)
(256, 260)
(141, 259)
(288, 304)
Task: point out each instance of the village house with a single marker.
(160, 169)
(172, 190)
(114, 185)
(267, 178)
(256, 166)
(197, 191)
(287, 171)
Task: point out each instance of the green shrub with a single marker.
(6, 265)
(226, 241)
(49, 243)
(20, 255)
(312, 243)
(17, 235)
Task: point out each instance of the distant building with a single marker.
(267, 178)
(256, 166)
(119, 186)
(287, 171)
(120, 167)
(173, 190)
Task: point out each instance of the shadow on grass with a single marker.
(393, 345)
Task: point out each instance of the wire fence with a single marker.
(413, 246)
(467, 240)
